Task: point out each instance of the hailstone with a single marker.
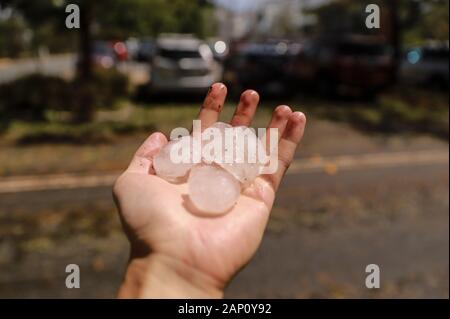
(165, 166)
(214, 184)
(244, 165)
(212, 189)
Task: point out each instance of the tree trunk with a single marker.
(85, 105)
(394, 35)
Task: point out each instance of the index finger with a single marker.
(212, 105)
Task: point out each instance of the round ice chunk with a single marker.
(221, 126)
(170, 163)
(212, 189)
(245, 144)
(209, 142)
(243, 172)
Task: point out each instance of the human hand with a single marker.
(177, 254)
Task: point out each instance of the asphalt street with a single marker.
(328, 223)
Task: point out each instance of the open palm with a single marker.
(157, 215)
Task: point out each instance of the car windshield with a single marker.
(179, 54)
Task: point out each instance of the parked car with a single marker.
(120, 49)
(263, 66)
(107, 54)
(145, 51)
(103, 54)
(426, 65)
(132, 45)
(350, 66)
(183, 64)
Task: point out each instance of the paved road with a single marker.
(362, 200)
(331, 219)
(330, 165)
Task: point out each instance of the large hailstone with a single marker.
(212, 189)
(214, 185)
(166, 168)
(245, 166)
(208, 156)
(242, 166)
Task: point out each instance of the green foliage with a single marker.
(418, 20)
(21, 132)
(119, 19)
(45, 20)
(59, 133)
(30, 98)
(415, 110)
(107, 87)
(65, 133)
(112, 19)
(341, 16)
(431, 24)
(401, 110)
(122, 19)
(12, 45)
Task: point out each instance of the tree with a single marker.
(430, 23)
(113, 19)
(39, 13)
(13, 44)
(410, 20)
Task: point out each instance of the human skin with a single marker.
(175, 253)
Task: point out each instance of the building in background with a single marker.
(264, 18)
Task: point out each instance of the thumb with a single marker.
(142, 159)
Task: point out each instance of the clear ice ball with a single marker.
(212, 189)
(243, 167)
(168, 169)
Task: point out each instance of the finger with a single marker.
(289, 141)
(142, 159)
(278, 121)
(246, 108)
(212, 105)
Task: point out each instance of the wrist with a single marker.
(157, 276)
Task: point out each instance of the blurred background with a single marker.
(369, 185)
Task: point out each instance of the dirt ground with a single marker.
(326, 226)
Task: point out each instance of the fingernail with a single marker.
(216, 87)
(248, 96)
(221, 86)
(299, 116)
(283, 109)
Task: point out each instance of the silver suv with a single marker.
(183, 63)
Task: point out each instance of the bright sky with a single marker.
(241, 5)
